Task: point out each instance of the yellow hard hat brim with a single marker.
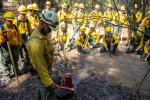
(11, 19)
(24, 13)
(36, 9)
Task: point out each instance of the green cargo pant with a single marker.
(6, 60)
(45, 93)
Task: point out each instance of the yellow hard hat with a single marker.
(62, 25)
(64, 5)
(76, 5)
(83, 28)
(9, 16)
(97, 6)
(22, 9)
(36, 7)
(81, 5)
(30, 7)
(136, 6)
(108, 29)
(48, 3)
(110, 5)
(123, 8)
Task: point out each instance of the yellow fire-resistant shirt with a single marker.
(74, 17)
(138, 16)
(107, 40)
(24, 26)
(12, 34)
(108, 15)
(81, 18)
(32, 21)
(95, 35)
(41, 56)
(63, 16)
(36, 19)
(145, 23)
(81, 40)
(96, 16)
(63, 37)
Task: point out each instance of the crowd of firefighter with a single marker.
(16, 31)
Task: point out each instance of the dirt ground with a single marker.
(124, 70)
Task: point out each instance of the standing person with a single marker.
(36, 14)
(41, 55)
(63, 14)
(48, 7)
(74, 14)
(81, 17)
(24, 26)
(30, 15)
(108, 16)
(9, 33)
(96, 17)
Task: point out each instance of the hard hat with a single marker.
(62, 25)
(81, 5)
(108, 29)
(109, 5)
(9, 16)
(91, 24)
(64, 5)
(35, 6)
(22, 9)
(82, 28)
(76, 5)
(30, 7)
(123, 8)
(136, 6)
(48, 3)
(50, 18)
(97, 6)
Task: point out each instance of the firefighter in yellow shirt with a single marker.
(108, 16)
(81, 40)
(63, 14)
(24, 26)
(30, 16)
(9, 34)
(96, 16)
(110, 41)
(123, 20)
(93, 36)
(74, 15)
(36, 14)
(80, 17)
(62, 37)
